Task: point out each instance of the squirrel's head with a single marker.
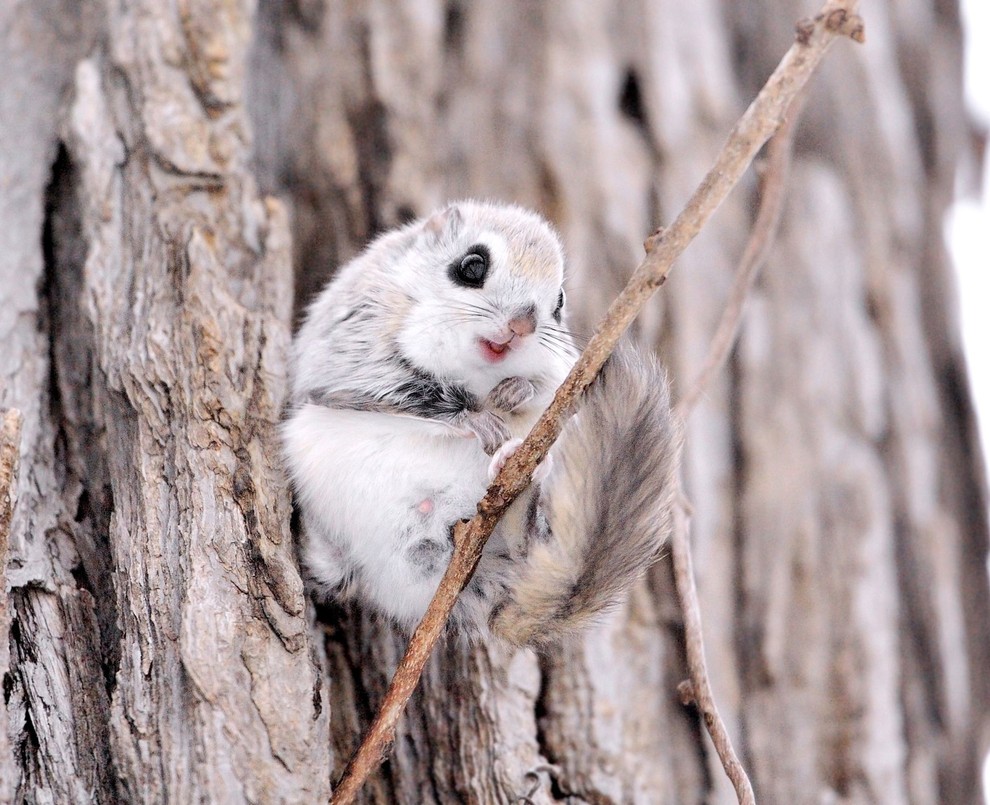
(486, 297)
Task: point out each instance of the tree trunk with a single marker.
(160, 646)
(159, 621)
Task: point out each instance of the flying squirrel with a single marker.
(415, 373)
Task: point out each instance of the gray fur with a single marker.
(608, 505)
(392, 339)
(348, 341)
(429, 556)
(510, 394)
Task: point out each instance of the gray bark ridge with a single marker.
(189, 317)
(56, 704)
(216, 696)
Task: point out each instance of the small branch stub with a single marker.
(843, 22)
(686, 692)
(654, 239)
(839, 21)
(803, 31)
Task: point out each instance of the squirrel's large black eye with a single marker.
(471, 269)
(560, 307)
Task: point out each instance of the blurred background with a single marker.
(966, 228)
(969, 217)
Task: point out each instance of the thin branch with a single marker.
(757, 124)
(755, 254)
(697, 689)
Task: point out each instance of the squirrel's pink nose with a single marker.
(525, 323)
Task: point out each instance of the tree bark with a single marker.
(159, 643)
(156, 643)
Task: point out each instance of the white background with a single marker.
(968, 223)
(968, 232)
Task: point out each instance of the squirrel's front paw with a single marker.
(498, 461)
(510, 394)
(488, 427)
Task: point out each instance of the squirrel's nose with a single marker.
(524, 322)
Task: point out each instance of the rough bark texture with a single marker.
(159, 622)
(158, 639)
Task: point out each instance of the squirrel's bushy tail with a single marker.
(605, 510)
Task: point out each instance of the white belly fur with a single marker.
(360, 478)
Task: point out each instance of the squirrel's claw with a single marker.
(487, 424)
(502, 455)
(488, 427)
(510, 394)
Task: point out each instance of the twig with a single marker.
(757, 124)
(761, 238)
(697, 690)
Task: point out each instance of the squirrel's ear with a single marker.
(444, 224)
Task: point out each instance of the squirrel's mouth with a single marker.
(492, 351)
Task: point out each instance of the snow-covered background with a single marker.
(968, 231)
(968, 224)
